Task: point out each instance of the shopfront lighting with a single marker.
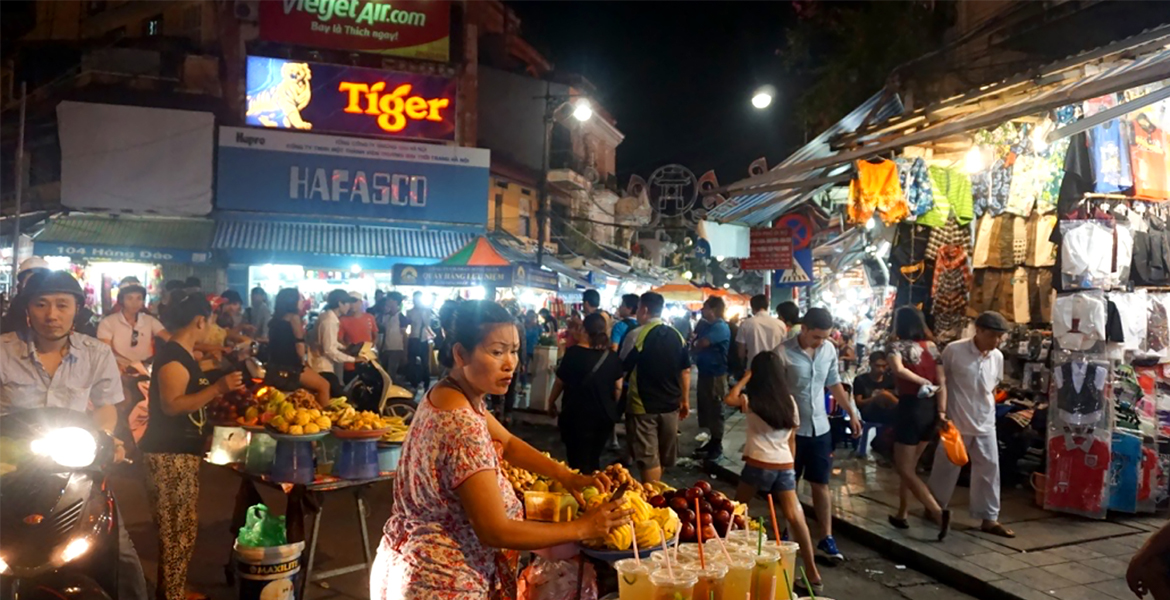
(355, 269)
(688, 275)
(727, 286)
(582, 110)
(870, 224)
(719, 258)
(973, 162)
(1040, 135)
(477, 293)
(58, 263)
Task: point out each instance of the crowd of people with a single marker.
(455, 526)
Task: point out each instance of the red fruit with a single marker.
(707, 519)
(686, 533)
(739, 522)
(722, 519)
(706, 507)
(694, 493)
(722, 529)
(708, 532)
(687, 516)
(712, 497)
(703, 485)
(657, 501)
(678, 504)
(725, 504)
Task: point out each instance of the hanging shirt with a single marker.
(1078, 320)
(1110, 158)
(952, 193)
(1147, 148)
(1086, 253)
(990, 188)
(914, 177)
(877, 187)
(1026, 185)
(1133, 308)
(1077, 470)
(1041, 252)
(1122, 255)
(1151, 254)
(1080, 392)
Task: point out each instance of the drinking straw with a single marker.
(699, 520)
(807, 585)
(637, 559)
(760, 541)
(772, 588)
(787, 583)
(723, 546)
(666, 551)
(775, 523)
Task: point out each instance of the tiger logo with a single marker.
(280, 105)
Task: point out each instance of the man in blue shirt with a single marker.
(626, 321)
(711, 358)
(811, 369)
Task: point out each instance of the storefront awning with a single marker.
(128, 238)
(251, 240)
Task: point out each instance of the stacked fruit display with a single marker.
(648, 525)
(526, 481)
(235, 408)
(719, 513)
(300, 421)
(347, 418)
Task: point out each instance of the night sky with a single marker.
(678, 77)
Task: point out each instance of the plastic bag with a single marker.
(557, 580)
(261, 529)
(952, 441)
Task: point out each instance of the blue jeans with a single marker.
(769, 481)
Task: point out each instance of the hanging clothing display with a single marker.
(1053, 173)
(1040, 251)
(952, 279)
(1041, 295)
(952, 194)
(1080, 392)
(876, 187)
(1078, 320)
(1122, 255)
(1133, 310)
(1078, 176)
(1151, 254)
(914, 177)
(1078, 468)
(950, 234)
(1027, 182)
(1086, 253)
(990, 188)
(1124, 471)
(1147, 148)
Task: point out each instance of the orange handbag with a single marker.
(952, 441)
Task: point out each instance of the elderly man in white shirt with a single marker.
(329, 353)
(761, 333)
(131, 330)
(973, 367)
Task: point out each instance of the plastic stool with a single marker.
(357, 459)
(293, 462)
(863, 442)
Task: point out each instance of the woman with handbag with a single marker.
(590, 375)
(922, 405)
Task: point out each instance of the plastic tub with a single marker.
(267, 573)
(357, 459)
(388, 456)
(292, 462)
(261, 449)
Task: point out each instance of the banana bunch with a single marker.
(620, 538)
(348, 418)
(398, 429)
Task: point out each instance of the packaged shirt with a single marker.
(1078, 466)
(1151, 254)
(1078, 320)
(1122, 255)
(1133, 309)
(1080, 392)
(1125, 465)
(1086, 252)
(1147, 148)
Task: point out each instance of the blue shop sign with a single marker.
(525, 275)
(98, 252)
(300, 173)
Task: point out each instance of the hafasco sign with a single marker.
(304, 173)
(415, 29)
(290, 94)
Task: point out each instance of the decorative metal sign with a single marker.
(673, 190)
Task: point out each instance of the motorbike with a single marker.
(374, 390)
(56, 510)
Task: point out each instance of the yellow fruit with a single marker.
(251, 414)
(289, 413)
(304, 418)
(540, 486)
(648, 533)
(315, 412)
(312, 428)
(296, 430)
(279, 422)
(323, 422)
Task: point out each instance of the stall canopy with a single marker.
(126, 238)
(479, 263)
(881, 125)
(680, 291)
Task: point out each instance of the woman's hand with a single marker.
(231, 382)
(575, 482)
(597, 523)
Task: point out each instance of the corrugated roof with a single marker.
(144, 232)
(338, 240)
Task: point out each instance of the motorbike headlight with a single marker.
(75, 549)
(3, 566)
(71, 447)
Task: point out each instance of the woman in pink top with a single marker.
(454, 511)
(922, 406)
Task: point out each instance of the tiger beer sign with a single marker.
(411, 28)
(290, 94)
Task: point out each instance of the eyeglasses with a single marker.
(134, 338)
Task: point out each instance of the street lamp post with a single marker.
(582, 111)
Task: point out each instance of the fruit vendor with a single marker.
(456, 525)
(175, 437)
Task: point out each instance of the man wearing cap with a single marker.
(131, 330)
(46, 363)
(974, 367)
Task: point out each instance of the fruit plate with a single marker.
(288, 437)
(612, 556)
(358, 434)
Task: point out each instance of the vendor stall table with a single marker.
(302, 497)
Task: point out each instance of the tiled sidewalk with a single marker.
(1053, 555)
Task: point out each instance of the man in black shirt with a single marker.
(874, 390)
(656, 357)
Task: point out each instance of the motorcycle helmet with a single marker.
(31, 266)
(54, 282)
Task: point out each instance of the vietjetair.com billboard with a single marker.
(411, 28)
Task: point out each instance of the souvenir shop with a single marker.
(1060, 222)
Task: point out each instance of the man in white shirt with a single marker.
(329, 353)
(131, 330)
(392, 349)
(973, 367)
(761, 333)
(419, 343)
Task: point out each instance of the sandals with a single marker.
(944, 526)
(1000, 530)
(899, 523)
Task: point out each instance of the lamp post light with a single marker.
(762, 98)
(582, 111)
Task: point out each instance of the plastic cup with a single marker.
(743, 537)
(788, 553)
(737, 584)
(689, 552)
(710, 584)
(634, 579)
(676, 584)
(766, 569)
(658, 558)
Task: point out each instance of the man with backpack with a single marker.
(626, 321)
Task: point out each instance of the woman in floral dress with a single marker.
(456, 525)
(922, 406)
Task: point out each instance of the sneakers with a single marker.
(814, 588)
(710, 451)
(827, 550)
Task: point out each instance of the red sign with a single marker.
(771, 249)
(410, 28)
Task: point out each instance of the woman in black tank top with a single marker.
(287, 348)
(175, 437)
